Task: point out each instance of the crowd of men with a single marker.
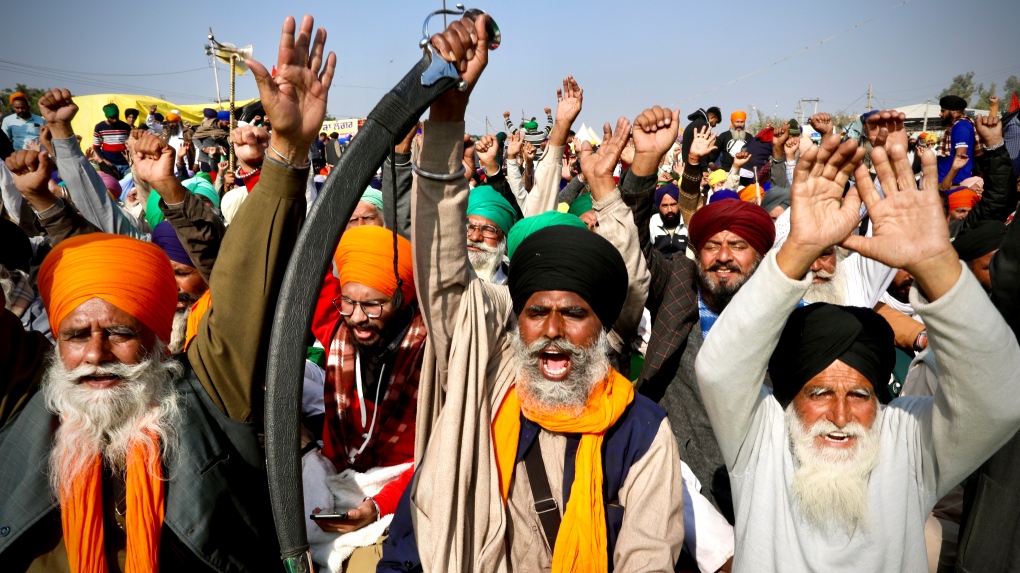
(667, 349)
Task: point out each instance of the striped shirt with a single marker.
(109, 141)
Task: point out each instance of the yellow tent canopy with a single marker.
(90, 111)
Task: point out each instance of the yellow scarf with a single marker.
(581, 541)
(81, 515)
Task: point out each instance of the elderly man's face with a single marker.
(959, 214)
(365, 214)
(738, 124)
(824, 266)
(840, 395)
(98, 333)
(356, 303)
(558, 315)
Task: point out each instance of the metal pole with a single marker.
(233, 120)
(216, 74)
(926, 104)
(869, 97)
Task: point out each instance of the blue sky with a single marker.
(626, 55)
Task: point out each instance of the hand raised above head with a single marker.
(702, 145)
(909, 229)
(819, 218)
(486, 149)
(569, 100)
(741, 159)
(58, 109)
(513, 144)
(464, 43)
(597, 167)
(989, 128)
(250, 143)
(296, 96)
(153, 160)
(887, 125)
(654, 132)
(31, 171)
(822, 123)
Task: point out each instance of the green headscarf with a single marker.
(485, 201)
(197, 185)
(531, 125)
(111, 110)
(581, 205)
(528, 225)
(373, 196)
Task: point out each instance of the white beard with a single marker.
(486, 261)
(179, 332)
(832, 291)
(831, 485)
(143, 407)
(589, 366)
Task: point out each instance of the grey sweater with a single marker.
(927, 444)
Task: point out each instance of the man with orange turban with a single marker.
(22, 124)
(115, 455)
(961, 201)
(368, 320)
(733, 141)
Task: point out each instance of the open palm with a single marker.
(818, 216)
(295, 98)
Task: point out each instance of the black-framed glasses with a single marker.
(345, 306)
(487, 231)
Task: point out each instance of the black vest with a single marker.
(217, 497)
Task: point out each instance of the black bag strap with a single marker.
(545, 504)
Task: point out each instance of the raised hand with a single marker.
(465, 43)
(819, 218)
(702, 145)
(154, 162)
(779, 137)
(530, 151)
(822, 123)
(548, 111)
(296, 96)
(990, 129)
(31, 171)
(250, 144)
(58, 110)
(486, 149)
(569, 99)
(993, 106)
(628, 154)
(909, 229)
(887, 126)
(405, 144)
(469, 157)
(46, 140)
(741, 159)
(791, 147)
(513, 144)
(506, 115)
(655, 130)
(598, 167)
(152, 109)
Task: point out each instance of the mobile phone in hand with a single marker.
(318, 516)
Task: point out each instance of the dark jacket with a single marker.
(990, 530)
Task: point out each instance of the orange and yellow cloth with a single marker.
(581, 542)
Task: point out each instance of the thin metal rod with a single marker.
(233, 120)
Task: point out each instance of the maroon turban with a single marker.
(749, 221)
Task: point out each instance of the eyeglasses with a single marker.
(345, 306)
(487, 231)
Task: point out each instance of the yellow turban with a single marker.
(132, 275)
(171, 117)
(365, 256)
(738, 115)
(717, 176)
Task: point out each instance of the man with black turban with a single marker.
(956, 149)
(532, 451)
(827, 476)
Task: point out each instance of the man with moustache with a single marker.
(533, 452)
(190, 284)
(114, 455)
(489, 220)
(826, 475)
(686, 296)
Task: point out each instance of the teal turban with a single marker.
(581, 205)
(528, 225)
(373, 196)
(197, 185)
(485, 201)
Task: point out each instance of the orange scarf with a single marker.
(581, 542)
(81, 515)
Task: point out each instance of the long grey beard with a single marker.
(831, 485)
(832, 291)
(487, 261)
(144, 407)
(179, 333)
(589, 366)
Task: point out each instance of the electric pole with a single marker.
(869, 97)
(926, 104)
